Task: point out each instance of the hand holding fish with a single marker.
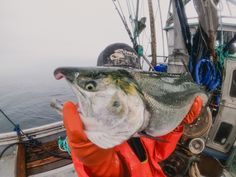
(194, 111)
(82, 150)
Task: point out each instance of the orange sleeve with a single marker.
(96, 161)
(164, 149)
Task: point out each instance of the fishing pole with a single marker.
(16, 126)
(31, 141)
(125, 24)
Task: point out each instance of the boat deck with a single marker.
(42, 160)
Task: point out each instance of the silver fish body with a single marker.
(117, 103)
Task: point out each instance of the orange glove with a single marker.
(194, 112)
(96, 161)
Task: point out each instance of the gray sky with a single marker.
(52, 29)
(57, 28)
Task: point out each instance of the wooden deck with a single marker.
(42, 158)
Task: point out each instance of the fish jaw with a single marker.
(108, 136)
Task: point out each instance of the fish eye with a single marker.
(90, 85)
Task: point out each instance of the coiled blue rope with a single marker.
(205, 73)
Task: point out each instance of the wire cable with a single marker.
(29, 142)
(129, 10)
(125, 24)
(162, 28)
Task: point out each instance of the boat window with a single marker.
(226, 36)
(223, 133)
(232, 49)
(233, 85)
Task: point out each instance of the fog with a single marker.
(52, 29)
(37, 36)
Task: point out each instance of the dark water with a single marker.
(27, 87)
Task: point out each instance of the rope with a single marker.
(129, 10)
(17, 128)
(132, 4)
(184, 25)
(30, 142)
(162, 32)
(34, 143)
(220, 56)
(63, 145)
(121, 14)
(207, 74)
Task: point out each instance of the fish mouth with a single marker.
(65, 72)
(70, 74)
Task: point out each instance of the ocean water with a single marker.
(26, 88)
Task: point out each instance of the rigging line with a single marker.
(132, 4)
(162, 28)
(6, 148)
(122, 13)
(142, 7)
(200, 29)
(137, 10)
(8, 118)
(129, 11)
(125, 23)
(135, 31)
(230, 12)
(184, 25)
(15, 125)
(148, 62)
(28, 137)
(169, 8)
(142, 13)
(148, 39)
(147, 47)
(221, 23)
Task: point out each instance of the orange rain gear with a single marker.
(91, 160)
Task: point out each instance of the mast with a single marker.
(178, 59)
(153, 34)
(136, 25)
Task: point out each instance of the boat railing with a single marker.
(36, 132)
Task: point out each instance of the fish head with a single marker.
(110, 103)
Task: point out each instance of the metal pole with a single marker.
(153, 34)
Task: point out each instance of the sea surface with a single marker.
(26, 88)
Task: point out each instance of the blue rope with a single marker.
(17, 129)
(205, 73)
(63, 145)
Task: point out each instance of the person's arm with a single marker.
(96, 161)
(164, 149)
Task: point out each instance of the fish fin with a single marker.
(144, 134)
